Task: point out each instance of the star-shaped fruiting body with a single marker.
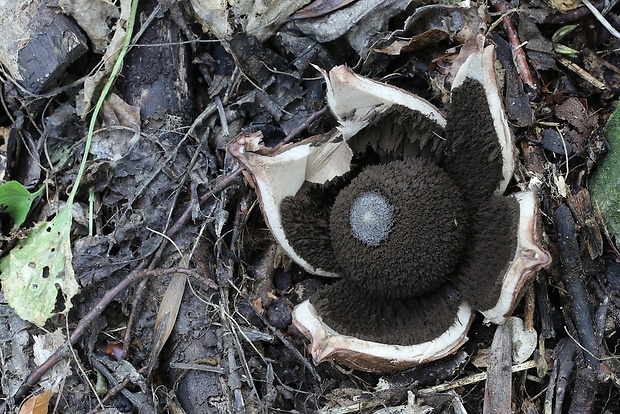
(406, 207)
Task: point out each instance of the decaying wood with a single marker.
(498, 390)
(560, 376)
(544, 306)
(581, 208)
(157, 73)
(42, 44)
(574, 280)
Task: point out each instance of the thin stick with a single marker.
(517, 50)
(473, 379)
(83, 324)
(304, 125)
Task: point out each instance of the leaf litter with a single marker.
(230, 346)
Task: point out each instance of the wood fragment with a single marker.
(472, 379)
(573, 67)
(544, 306)
(427, 374)
(561, 374)
(517, 50)
(581, 208)
(498, 389)
(38, 43)
(574, 280)
(160, 72)
(582, 398)
(573, 15)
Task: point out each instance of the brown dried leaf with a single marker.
(37, 404)
(167, 314)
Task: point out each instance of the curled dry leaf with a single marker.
(37, 404)
(406, 206)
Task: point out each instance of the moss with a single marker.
(605, 182)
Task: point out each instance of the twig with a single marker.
(582, 398)
(112, 393)
(517, 50)
(424, 375)
(83, 324)
(572, 15)
(581, 72)
(473, 379)
(184, 218)
(544, 306)
(574, 280)
(498, 389)
(302, 127)
(560, 375)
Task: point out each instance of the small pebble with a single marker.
(283, 281)
(279, 315)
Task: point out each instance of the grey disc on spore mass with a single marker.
(425, 237)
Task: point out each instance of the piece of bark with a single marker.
(498, 390)
(533, 158)
(428, 374)
(156, 75)
(38, 43)
(574, 281)
(561, 375)
(544, 306)
(581, 207)
(516, 101)
(586, 382)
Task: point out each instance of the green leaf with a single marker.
(37, 267)
(605, 182)
(17, 200)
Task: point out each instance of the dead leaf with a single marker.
(44, 346)
(360, 18)
(37, 404)
(256, 18)
(118, 112)
(319, 8)
(167, 314)
(109, 59)
(92, 17)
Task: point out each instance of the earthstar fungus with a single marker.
(405, 206)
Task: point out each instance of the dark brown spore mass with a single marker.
(400, 133)
(349, 310)
(305, 218)
(490, 248)
(427, 235)
(474, 154)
